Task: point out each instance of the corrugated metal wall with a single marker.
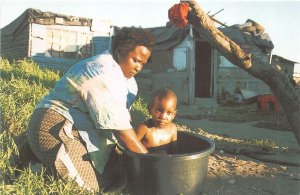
(169, 69)
(15, 45)
(231, 77)
(100, 44)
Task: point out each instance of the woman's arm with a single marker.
(130, 140)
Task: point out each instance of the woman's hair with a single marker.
(130, 37)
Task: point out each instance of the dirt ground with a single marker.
(256, 152)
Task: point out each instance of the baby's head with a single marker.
(163, 107)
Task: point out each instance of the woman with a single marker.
(75, 127)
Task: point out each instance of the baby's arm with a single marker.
(174, 135)
(141, 131)
(173, 149)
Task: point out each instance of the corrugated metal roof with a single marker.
(46, 18)
(284, 60)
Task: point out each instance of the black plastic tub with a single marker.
(170, 170)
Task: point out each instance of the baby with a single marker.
(159, 130)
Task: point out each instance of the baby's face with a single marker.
(163, 111)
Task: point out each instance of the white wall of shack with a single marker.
(59, 46)
(58, 38)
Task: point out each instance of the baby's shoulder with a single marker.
(143, 125)
(147, 123)
(173, 127)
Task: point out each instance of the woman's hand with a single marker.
(129, 139)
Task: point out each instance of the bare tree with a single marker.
(271, 73)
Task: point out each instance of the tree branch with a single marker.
(271, 74)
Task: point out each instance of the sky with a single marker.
(280, 18)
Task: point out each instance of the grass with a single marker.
(23, 84)
(139, 111)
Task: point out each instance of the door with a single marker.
(203, 70)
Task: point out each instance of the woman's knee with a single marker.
(42, 134)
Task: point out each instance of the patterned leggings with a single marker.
(68, 157)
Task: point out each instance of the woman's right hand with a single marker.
(129, 139)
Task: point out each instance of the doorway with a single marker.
(203, 70)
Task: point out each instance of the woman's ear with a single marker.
(116, 54)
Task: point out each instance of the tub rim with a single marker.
(185, 156)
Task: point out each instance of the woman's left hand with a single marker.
(129, 139)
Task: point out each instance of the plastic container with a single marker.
(171, 170)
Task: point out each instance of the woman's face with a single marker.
(134, 61)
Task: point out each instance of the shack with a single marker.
(198, 73)
(53, 40)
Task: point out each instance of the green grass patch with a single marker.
(23, 83)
